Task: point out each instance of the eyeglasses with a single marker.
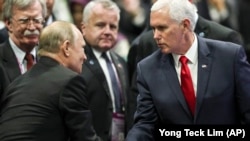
(27, 21)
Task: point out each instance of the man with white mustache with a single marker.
(24, 20)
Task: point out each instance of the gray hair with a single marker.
(178, 10)
(55, 34)
(107, 4)
(21, 4)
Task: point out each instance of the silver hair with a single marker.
(178, 10)
(107, 4)
(21, 4)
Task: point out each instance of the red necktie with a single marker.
(187, 84)
(30, 60)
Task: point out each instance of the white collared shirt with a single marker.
(192, 55)
(103, 64)
(20, 56)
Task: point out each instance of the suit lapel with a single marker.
(94, 66)
(10, 62)
(204, 69)
(168, 68)
(120, 72)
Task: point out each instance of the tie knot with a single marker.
(29, 57)
(183, 60)
(105, 56)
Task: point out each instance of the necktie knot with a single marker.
(30, 60)
(183, 60)
(28, 57)
(105, 56)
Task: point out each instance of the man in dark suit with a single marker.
(23, 37)
(100, 28)
(218, 83)
(146, 45)
(51, 96)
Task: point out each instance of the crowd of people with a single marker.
(116, 70)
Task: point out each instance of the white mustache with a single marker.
(28, 32)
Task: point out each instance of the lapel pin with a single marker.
(202, 34)
(91, 62)
(204, 66)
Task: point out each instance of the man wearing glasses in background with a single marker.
(24, 20)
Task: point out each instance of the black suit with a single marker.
(3, 35)
(98, 92)
(9, 68)
(47, 103)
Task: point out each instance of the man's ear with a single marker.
(8, 25)
(186, 24)
(83, 26)
(66, 48)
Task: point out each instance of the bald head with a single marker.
(63, 42)
(55, 34)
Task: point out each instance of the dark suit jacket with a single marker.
(98, 92)
(145, 45)
(204, 28)
(48, 103)
(222, 90)
(9, 68)
(3, 35)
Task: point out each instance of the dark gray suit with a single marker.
(98, 93)
(222, 90)
(47, 103)
(9, 68)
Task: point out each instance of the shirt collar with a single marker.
(98, 54)
(19, 53)
(191, 54)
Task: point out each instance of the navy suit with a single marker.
(222, 90)
(145, 44)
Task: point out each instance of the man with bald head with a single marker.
(51, 97)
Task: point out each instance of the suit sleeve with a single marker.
(145, 115)
(77, 116)
(242, 74)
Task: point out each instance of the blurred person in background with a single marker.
(3, 30)
(133, 18)
(224, 12)
(76, 9)
(61, 10)
(244, 22)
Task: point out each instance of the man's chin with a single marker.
(32, 43)
(107, 46)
